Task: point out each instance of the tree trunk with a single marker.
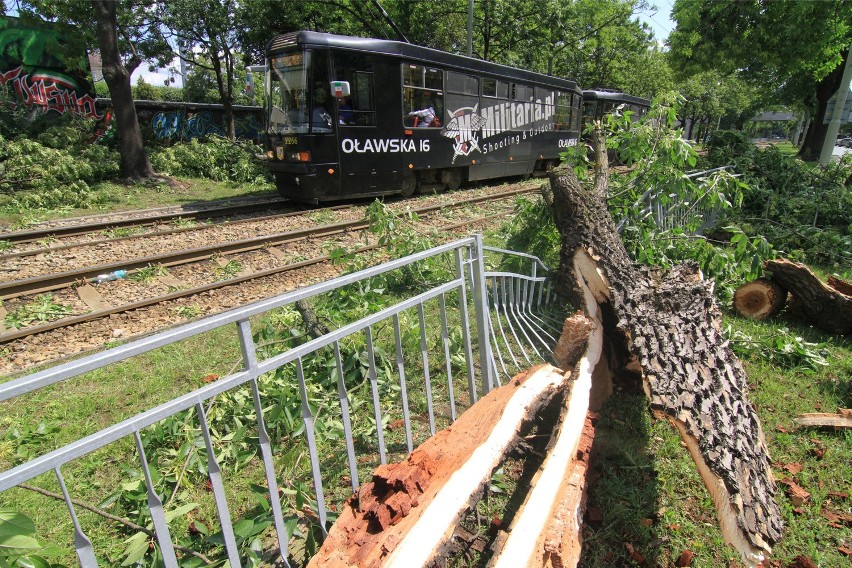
(760, 299)
(668, 322)
(224, 83)
(134, 160)
(815, 136)
(406, 514)
(828, 307)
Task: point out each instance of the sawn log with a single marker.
(827, 307)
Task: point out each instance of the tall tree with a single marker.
(207, 31)
(123, 31)
(794, 51)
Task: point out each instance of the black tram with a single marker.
(596, 104)
(353, 117)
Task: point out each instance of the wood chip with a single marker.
(92, 297)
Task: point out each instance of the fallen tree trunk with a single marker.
(668, 321)
(827, 307)
(406, 515)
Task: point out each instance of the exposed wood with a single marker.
(669, 321)
(843, 419)
(409, 511)
(824, 306)
(760, 299)
(547, 525)
(841, 286)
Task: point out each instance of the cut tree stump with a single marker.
(760, 299)
(828, 307)
(668, 321)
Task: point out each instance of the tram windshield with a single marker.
(293, 109)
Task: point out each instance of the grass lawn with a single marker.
(653, 504)
(119, 197)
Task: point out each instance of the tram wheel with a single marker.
(452, 178)
(409, 186)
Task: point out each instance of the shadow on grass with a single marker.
(622, 503)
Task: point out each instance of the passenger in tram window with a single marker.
(426, 116)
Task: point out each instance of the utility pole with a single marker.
(839, 105)
(470, 28)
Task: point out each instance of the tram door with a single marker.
(364, 167)
(324, 151)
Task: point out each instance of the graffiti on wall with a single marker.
(33, 68)
(173, 125)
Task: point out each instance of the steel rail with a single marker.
(47, 282)
(172, 231)
(100, 314)
(145, 221)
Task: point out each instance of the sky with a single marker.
(657, 16)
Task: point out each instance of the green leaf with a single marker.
(180, 511)
(15, 523)
(17, 544)
(31, 561)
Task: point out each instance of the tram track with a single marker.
(49, 282)
(170, 231)
(10, 336)
(147, 219)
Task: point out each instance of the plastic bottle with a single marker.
(116, 275)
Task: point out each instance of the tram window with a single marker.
(422, 96)
(322, 103)
(563, 111)
(521, 92)
(494, 88)
(462, 84)
(288, 93)
(359, 108)
(588, 112)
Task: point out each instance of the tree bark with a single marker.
(670, 323)
(815, 136)
(827, 307)
(134, 160)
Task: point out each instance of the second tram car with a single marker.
(598, 103)
(353, 117)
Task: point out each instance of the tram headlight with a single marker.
(299, 156)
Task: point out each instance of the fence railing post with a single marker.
(480, 302)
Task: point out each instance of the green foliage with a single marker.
(50, 164)
(18, 548)
(802, 210)
(149, 273)
(42, 309)
(782, 348)
(532, 230)
(397, 235)
(229, 270)
(217, 158)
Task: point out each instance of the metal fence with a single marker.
(673, 215)
(472, 330)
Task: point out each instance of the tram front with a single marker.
(301, 123)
